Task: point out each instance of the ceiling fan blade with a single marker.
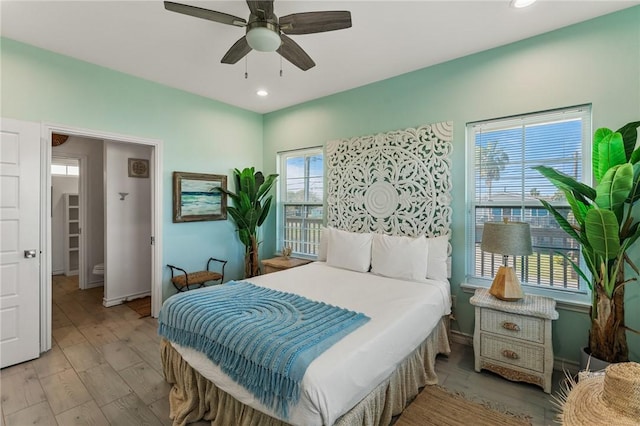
(199, 12)
(239, 50)
(292, 52)
(262, 9)
(315, 22)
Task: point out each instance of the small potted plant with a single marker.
(251, 204)
(607, 224)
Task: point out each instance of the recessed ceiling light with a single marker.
(519, 4)
(262, 93)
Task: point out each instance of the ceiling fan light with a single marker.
(519, 4)
(263, 39)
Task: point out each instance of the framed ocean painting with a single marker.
(195, 197)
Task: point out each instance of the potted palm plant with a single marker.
(607, 224)
(251, 208)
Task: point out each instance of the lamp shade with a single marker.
(507, 238)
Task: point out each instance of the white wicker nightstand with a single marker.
(513, 339)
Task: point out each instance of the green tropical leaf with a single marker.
(629, 134)
(265, 210)
(259, 179)
(561, 180)
(237, 217)
(234, 197)
(266, 185)
(634, 194)
(601, 228)
(610, 153)
(564, 224)
(245, 237)
(598, 137)
(614, 188)
(245, 204)
(576, 268)
(248, 182)
(635, 157)
(578, 208)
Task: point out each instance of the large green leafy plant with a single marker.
(251, 204)
(607, 225)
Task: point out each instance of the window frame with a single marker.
(580, 296)
(282, 157)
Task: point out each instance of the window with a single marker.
(66, 168)
(503, 184)
(301, 197)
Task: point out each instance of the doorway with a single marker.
(67, 215)
(155, 204)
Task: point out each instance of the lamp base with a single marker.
(506, 285)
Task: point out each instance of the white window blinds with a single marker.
(503, 184)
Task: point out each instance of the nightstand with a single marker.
(276, 264)
(513, 339)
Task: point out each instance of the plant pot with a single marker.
(593, 363)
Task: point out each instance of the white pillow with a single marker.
(349, 250)
(324, 241)
(399, 257)
(437, 257)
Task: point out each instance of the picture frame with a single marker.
(138, 168)
(195, 198)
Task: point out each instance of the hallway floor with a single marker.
(104, 367)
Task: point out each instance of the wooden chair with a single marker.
(192, 280)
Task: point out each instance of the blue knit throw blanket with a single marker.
(262, 338)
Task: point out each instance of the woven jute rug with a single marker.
(142, 306)
(435, 406)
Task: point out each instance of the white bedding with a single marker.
(403, 314)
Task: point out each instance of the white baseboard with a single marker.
(120, 300)
(461, 338)
(560, 364)
(57, 272)
(95, 284)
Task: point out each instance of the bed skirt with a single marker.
(194, 398)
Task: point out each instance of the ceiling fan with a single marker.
(266, 33)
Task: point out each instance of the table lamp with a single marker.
(508, 239)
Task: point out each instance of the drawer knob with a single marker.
(510, 354)
(510, 326)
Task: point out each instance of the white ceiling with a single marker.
(388, 38)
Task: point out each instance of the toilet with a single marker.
(98, 269)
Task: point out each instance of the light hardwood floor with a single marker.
(104, 368)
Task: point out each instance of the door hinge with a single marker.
(153, 240)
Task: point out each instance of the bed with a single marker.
(369, 375)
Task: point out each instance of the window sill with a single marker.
(576, 302)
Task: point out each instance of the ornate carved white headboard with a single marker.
(397, 183)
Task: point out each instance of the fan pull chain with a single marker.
(246, 73)
(280, 66)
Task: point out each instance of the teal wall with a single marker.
(198, 134)
(595, 62)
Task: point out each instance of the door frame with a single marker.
(45, 217)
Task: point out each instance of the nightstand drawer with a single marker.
(512, 325)
(511, 352)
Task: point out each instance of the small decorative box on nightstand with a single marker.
(276, 264)
(513, 339)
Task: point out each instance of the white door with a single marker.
(19, 241)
